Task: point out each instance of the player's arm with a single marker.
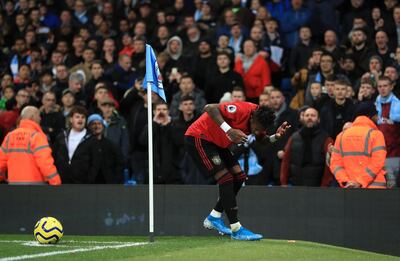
(235, 135)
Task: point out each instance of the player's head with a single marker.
(261, 119)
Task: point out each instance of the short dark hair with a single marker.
(155, 105)
(237, 89)
(78, 109)
(187, 98)
(331, 78)
(342, 82)
(265, 116)
(385, 78)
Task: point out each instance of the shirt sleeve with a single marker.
(236, 112)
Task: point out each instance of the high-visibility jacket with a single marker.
(26, 156)
(359, 155)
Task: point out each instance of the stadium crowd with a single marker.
(316, 63)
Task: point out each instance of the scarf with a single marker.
(248, 62)
(394, 114)
(278, 113)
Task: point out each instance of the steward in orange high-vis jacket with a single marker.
(358, 157)
(25, 154)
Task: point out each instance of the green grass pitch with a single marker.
(23, 247)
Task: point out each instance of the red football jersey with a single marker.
(236, 114)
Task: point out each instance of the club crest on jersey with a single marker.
(231, 108)
(216, 160)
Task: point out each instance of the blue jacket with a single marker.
(291, 23)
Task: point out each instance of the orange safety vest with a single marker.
(359, 155)
(26, 156)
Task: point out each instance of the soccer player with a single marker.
(207, 141)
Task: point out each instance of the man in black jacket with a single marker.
(221, 79)
(336, 112)
(164, 149)
(53, 121)
(75, 151)
(275, 151)
(134, 109)
(111, 158)
(181, 159)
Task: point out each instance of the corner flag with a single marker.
(153, 76)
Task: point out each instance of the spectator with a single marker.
(361, 51)
(254, 70)
(396, 31)
(275, 151)
(303, 163)
(393, 74)
(367, 90)
(139, 57)
(61, 80)
(97, 72)
(134, 109)
(319, 99)
(364, 144)
(337, 111)
(204, 63)
(164, 148)
(75, 151)
(175, 65)
(109, 55)
(191, 40)
(187, 168)
(109, 156)
(25, 153)
(385, 52)
(122, 76)
(116, 128)
(388, 107)
(67, 102)
(238, 94)
(81, 14)
(7, 94)
(187, 87)
(236, 38)
(350, 70)
(84, 67)
(161, 39)
(301, 51)
(19, 57)
(223, 46)
(75, 85)
(221, 79)
(243, 15)
(207, 21)
(331, 44)
(292, 21)
(78, 45)
(8, 119)
(264, 99)
(53, 121)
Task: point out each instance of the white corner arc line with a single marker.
(86, 249)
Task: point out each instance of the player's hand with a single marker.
(282, 129)
(236, 136)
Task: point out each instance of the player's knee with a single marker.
(239, 177)
(224, 178)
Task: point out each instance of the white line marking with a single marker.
(66, 241)
(88, 249)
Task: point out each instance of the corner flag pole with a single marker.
(150, 142)
(153, 83)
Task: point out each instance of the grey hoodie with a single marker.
(178, 55)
